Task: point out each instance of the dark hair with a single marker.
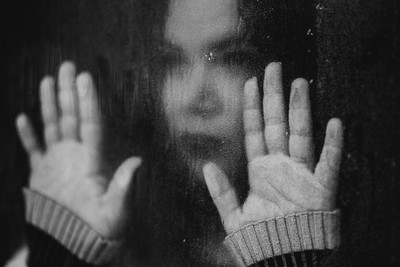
(164, 224)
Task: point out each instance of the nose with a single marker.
(205, 99)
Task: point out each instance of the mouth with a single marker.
(207, 128)
(206, 109)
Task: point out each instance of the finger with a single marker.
(327, 170)
(49, 111)
(119, 185)
(301, 147)
(90, 128)
(254, 136)
(221, 191)
(275, 120)
(68, 101)
(28, 138)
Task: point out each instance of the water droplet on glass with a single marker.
(209, 56)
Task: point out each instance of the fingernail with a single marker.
(296, 99)
(278, 66)
(253, 80)
(333, 132)
(274, 66)
(83, 84)
(82, 90)
(251, 83)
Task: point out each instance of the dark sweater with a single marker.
(58, 238)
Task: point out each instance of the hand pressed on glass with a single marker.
(68, 169)
(284, 180)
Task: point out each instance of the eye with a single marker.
(170, 58)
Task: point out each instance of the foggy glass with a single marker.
(170, 77)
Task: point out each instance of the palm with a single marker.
(271, 198)
(60, 161)
(285, 180)
(69, 169)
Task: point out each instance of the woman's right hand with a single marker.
(68, 167)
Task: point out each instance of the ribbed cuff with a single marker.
(68, 229)
(317, 230)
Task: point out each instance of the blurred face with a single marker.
(203, 88)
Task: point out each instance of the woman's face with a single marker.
(203, 88)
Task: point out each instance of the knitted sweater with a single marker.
(57, 237)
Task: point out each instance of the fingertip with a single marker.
(67, 66)
(66, 74)
(47, 82)
(132, 163)
(47, 93)
(252, 81)
(299, 95)
(210, 171)
(22, 121)
(300, 83)
(122, 179)
(251, 94)
(85, 75)
(84, 78)
(135, 162)
(335, 129)
(26, 134)
(83, 85)
(335, 123)
(208, 168)
(273, 67)
(273, 78)
(24, 131)
(250, 85)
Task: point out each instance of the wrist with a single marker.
(68, 229)
(314, 230)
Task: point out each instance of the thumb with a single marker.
(29, 139)
(119, 185)
(221, 190)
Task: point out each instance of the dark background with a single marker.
(356, 52)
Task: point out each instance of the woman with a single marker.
(217, 130)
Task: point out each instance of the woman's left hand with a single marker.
(283, 177)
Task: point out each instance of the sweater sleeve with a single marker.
(299, 239)
(57, 235)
